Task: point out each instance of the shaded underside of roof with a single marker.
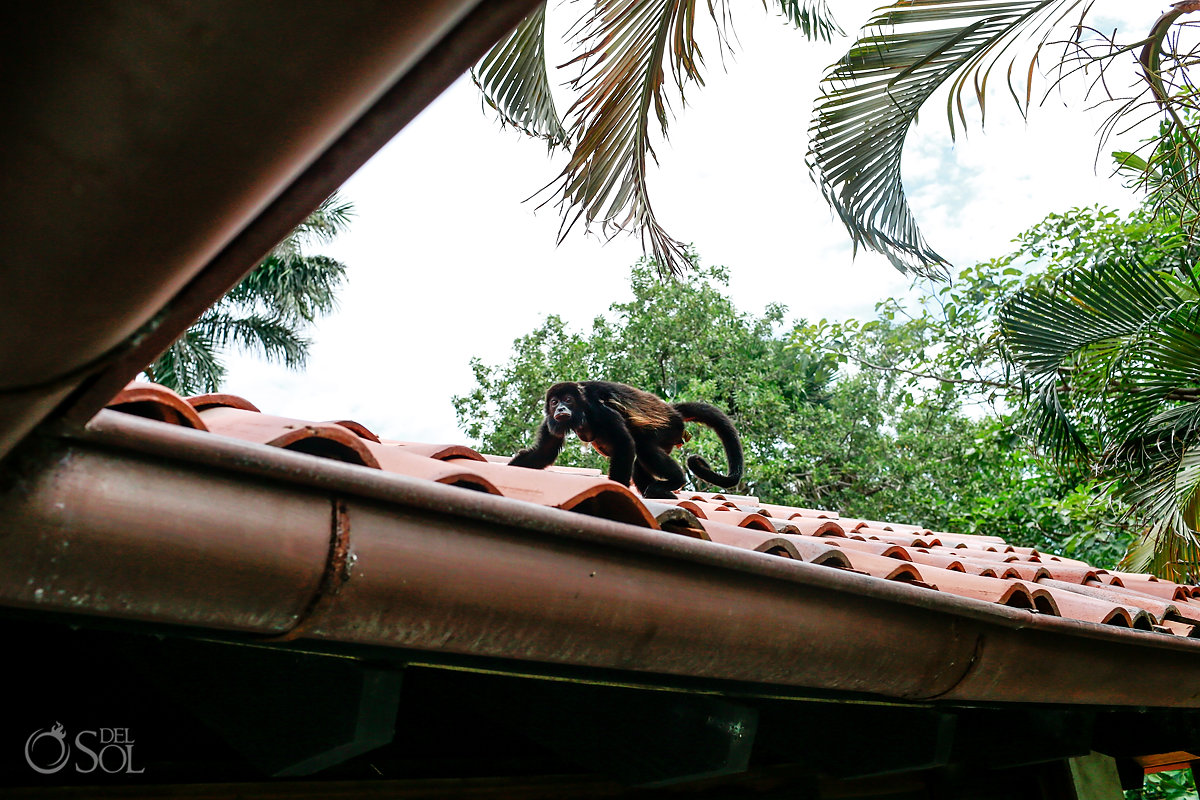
(152, 153)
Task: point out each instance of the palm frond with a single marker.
(273, 338)
(870, 99)
(1165, 496)
(297, 288)
(512, 78)
(628, 47)
(811, 17)
(190, 365)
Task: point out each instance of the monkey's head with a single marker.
(565, 409)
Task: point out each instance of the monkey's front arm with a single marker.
(544, 451)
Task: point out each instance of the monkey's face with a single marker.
(564, 409)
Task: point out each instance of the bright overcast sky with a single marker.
(446, 261)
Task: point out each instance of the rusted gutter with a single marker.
(140, 520)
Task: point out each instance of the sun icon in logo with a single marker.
(58, 734)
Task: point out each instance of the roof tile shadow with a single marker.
(323, 439)
(156, 402)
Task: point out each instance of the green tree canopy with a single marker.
(864, 442)
(267, 312)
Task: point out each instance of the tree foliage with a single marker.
(267, 312)
(868, 443)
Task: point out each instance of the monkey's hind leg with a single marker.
(659, 474)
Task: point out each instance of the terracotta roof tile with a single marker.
(324, 439)
(202, 401)
(357, 428)
(788, 512)
(439, 451)
(156, 402)
(809, 526)
(878, 548)
(981, 568)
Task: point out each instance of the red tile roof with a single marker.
(243, 523)
(979, 567)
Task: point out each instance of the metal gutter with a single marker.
(140, 520)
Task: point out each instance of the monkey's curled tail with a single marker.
(715, 418)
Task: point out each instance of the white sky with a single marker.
(447, 262)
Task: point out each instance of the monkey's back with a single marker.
(641, 408)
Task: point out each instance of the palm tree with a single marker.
(1109, 354)
(625, 48)
(267, 312)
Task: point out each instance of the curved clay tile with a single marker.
(941, 560)
(742, 519)
(200, 402)
(809, 526)
(442, 451)
(810, 550)
(991, 556)
(897, 539)
(875, 548)
(973, 538)
(1006, 592)
(706, 508)
(399, 460)
(790, 512)
(1071, 574)
(315, 438)
(692, 507)
(891, 569)
(1159, 609)
(597, 497)
(1180, 629)
(1163, 589)
(152, 401)
(1102, 612)
(674, 518)
(358, 429)
(748, 539)
(1024, 571)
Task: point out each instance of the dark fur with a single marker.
(636, 431)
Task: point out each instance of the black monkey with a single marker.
(636, 431)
